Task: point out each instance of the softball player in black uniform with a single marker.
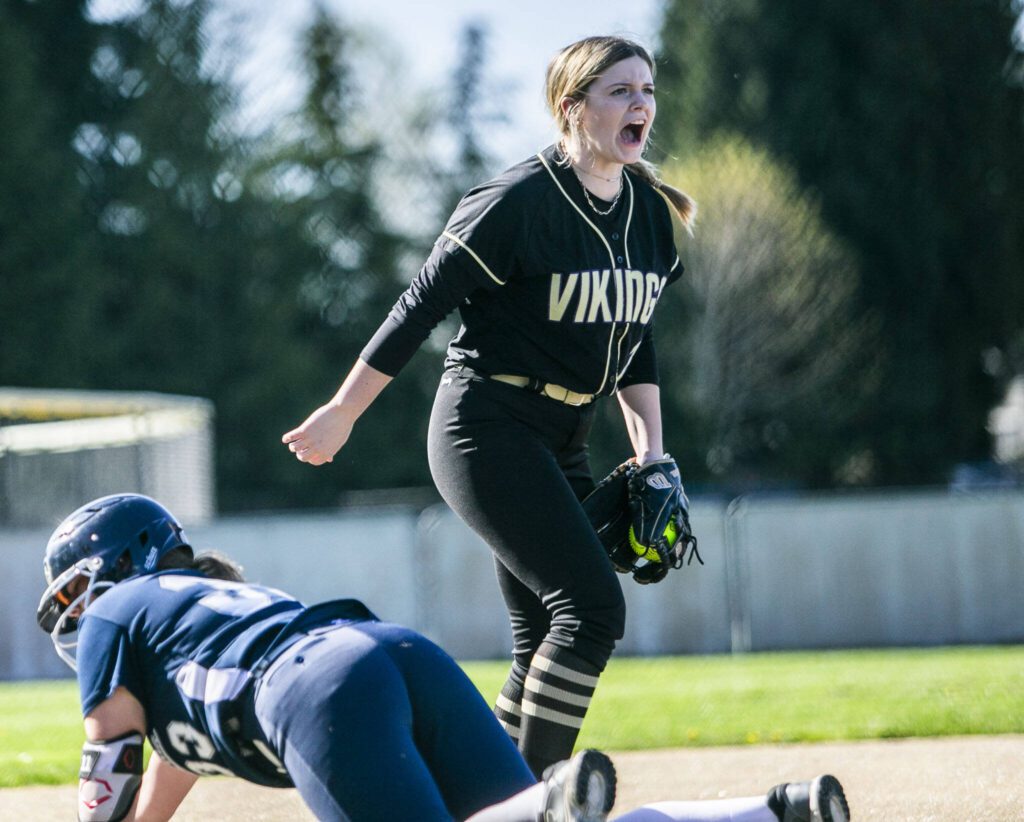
(556, 267)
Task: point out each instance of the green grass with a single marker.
(798, 697)
(669, 702)
(40, 733)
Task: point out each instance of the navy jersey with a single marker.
(545, 286)
(185, 646)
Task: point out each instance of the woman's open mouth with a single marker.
(633, 134)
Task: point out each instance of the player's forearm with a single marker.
(109, 779)
(361, 387)
(163, 789)
(641, 411)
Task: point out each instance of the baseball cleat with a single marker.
(820, 800)
(581, 789)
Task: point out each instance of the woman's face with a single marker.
(618, 112)
(74, 589)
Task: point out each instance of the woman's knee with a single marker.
(591, 628)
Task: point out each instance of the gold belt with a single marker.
(548, 389)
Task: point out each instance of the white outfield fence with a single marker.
(815, 572)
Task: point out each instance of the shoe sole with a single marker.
(828, 802)
(593, 786)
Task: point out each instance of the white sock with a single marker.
(742, 809)
(525, 806)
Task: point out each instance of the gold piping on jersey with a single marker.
(611, 258)
(629, 220)
(611, 255)
(629, 265)
(472, 254)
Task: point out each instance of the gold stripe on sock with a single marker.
(550, 691)
(507, 705)
(552, 716)
(568, 674)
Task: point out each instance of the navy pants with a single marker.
(375, 722)
(513, 465)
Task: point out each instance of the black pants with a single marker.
(513, 465)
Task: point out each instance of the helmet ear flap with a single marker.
(124, 565)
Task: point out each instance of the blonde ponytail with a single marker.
(680, 203)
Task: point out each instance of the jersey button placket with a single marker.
(618, 258)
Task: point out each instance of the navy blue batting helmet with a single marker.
(105, 541)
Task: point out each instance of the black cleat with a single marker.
(581, 789)
(820, 800)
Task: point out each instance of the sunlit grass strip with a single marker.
(40, 733)
(667, 702)
(799, 697)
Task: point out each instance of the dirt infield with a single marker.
(914, 780)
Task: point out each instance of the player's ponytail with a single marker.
(683, 204)
(212, 564)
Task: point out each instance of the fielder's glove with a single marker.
(660, 530)
(607, 507)
(644, 529)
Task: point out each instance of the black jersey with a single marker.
(546, 287)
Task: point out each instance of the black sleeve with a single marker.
(480, 248)
(643, 368)
(433, 295)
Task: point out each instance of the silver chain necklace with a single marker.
(590, 202)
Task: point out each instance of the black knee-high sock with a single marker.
(557, 694)
(508, 707)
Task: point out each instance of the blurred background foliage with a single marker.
(855, 301)
(903, 120)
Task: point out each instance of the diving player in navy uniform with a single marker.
(368, 720)
(556, 267)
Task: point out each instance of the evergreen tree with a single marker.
(469, 114)
(148, 247)
(318, 171)
(906, 118)
(195, 285)
(47, 258)
(146, 254)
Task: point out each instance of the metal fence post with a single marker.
(737, 576)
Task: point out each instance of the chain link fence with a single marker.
(59, 449)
